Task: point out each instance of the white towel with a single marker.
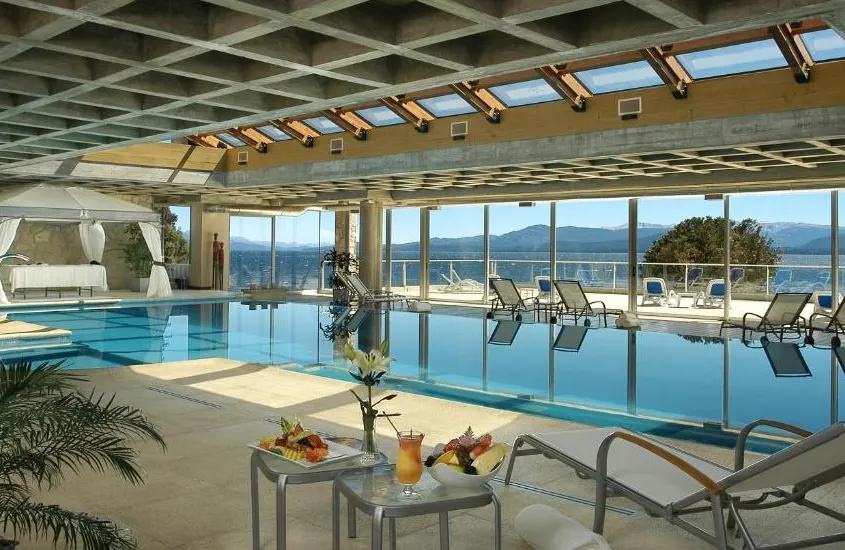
(544, 528)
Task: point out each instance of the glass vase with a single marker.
(370, 454)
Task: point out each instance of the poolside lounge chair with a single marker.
(784, 313)
(507, 298)
(833, 322)
(458, 284)
(714, 294)
(781, 280)
(587, 279)
(544, 288)
(654, 290)
(737, 274)
(575, 302)
(365, 295)
(693, 277)
(670, 482)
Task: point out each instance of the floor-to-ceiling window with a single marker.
(519, 242)
(781, 243)
(249, 251)
(301, 243)
(405, 243)
(681, 255)
(456, 269)
(180, 251)
(592, 247)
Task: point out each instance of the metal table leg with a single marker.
(253, 493)
(378, 519)
(281, 511)
(444, 530)
(351, 522)
(497, 523)
(335, 516)
(391, 533)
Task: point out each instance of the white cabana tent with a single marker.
(88, 208)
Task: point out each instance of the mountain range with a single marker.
(792, 238)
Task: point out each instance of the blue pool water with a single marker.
(635, 377)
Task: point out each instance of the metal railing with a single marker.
(608, 275)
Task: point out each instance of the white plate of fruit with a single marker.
(467, 460)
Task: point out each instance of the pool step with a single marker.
(29, 343)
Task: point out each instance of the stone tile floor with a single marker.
(196, 496)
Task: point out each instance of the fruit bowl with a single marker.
(446, 475)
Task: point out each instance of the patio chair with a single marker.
(365, 295)
(586, 278)
(825, 320)
(714, 294)
(781, 280)
(575, 302)
(737, 275)
(671, 483)
(784, 313)
(654, 290)
(693, 276)
(507, 298)
(544, 288)
(455, 283)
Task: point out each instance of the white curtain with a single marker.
(159, 281)
(8, 230)
(93, 238)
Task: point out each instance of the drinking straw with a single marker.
(393, 425)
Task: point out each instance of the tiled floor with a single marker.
(196, 495)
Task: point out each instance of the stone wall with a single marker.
(58, 243)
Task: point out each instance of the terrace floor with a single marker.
(197, 493)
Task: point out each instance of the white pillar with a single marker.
(728, 233)
(632, 255)
(486, 279)
(425, 251)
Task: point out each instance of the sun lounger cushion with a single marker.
(633, 466)
(544, 528)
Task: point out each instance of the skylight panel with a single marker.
(525, 93)
(379, 116)
(739, 58)
(273, 133)
(323, 125)
(446, 105)
(231, 140)
(616, 78)
(824, 45)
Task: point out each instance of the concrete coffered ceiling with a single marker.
(78, 76)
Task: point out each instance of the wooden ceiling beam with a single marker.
(554, 78)
(793, 52)
(402, 110)
(358, 132)
(285, 127)
(675, 81)
(471, 95)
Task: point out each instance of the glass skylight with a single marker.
(525, 93)
(379, 116)
(824, 45)
(446, 105)
(739, 58)
(323, 125)
(231, 140)
(273, 133)
(616, 78)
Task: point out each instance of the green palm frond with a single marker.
(70, 529)
(47, 428)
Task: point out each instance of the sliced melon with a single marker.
(490, 459)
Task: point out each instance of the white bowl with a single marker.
(446, 475)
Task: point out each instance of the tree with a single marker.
(49, 427)
(137, 255)
(701, 240)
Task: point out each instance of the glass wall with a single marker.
(592, 247)
(456, 269)
(180, 253)
(681, 252)
(405, 249)
(301, 243)
(781, 243)
(519, 242)
(249, 251)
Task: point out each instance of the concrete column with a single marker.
(728, 234)
(834, 247)
(486, 294)
(203, 227)
(388, 247)
(369, 263)
(346, 231)
(425, 251)
(633, 239)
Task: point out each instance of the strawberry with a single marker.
(451, 445)
(484, 443)
(315, 442)
(315, 455)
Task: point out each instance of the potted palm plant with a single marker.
(138, 259)
(48, 427)
(341, 262)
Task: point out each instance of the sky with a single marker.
(465, 221)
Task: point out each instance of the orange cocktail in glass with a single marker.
(409, 460)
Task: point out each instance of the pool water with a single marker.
(634, 377)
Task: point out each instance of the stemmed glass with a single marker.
(409, 461)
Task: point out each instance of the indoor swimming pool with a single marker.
(639, 379)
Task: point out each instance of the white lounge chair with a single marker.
(714, 294)
(783, 314)
(365, 295)
(654, 290)
(670, 482)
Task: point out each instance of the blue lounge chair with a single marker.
(586, 278)
(781, 281)
(737, 274)
(693, 277)
(714, 294)
(654, 290)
